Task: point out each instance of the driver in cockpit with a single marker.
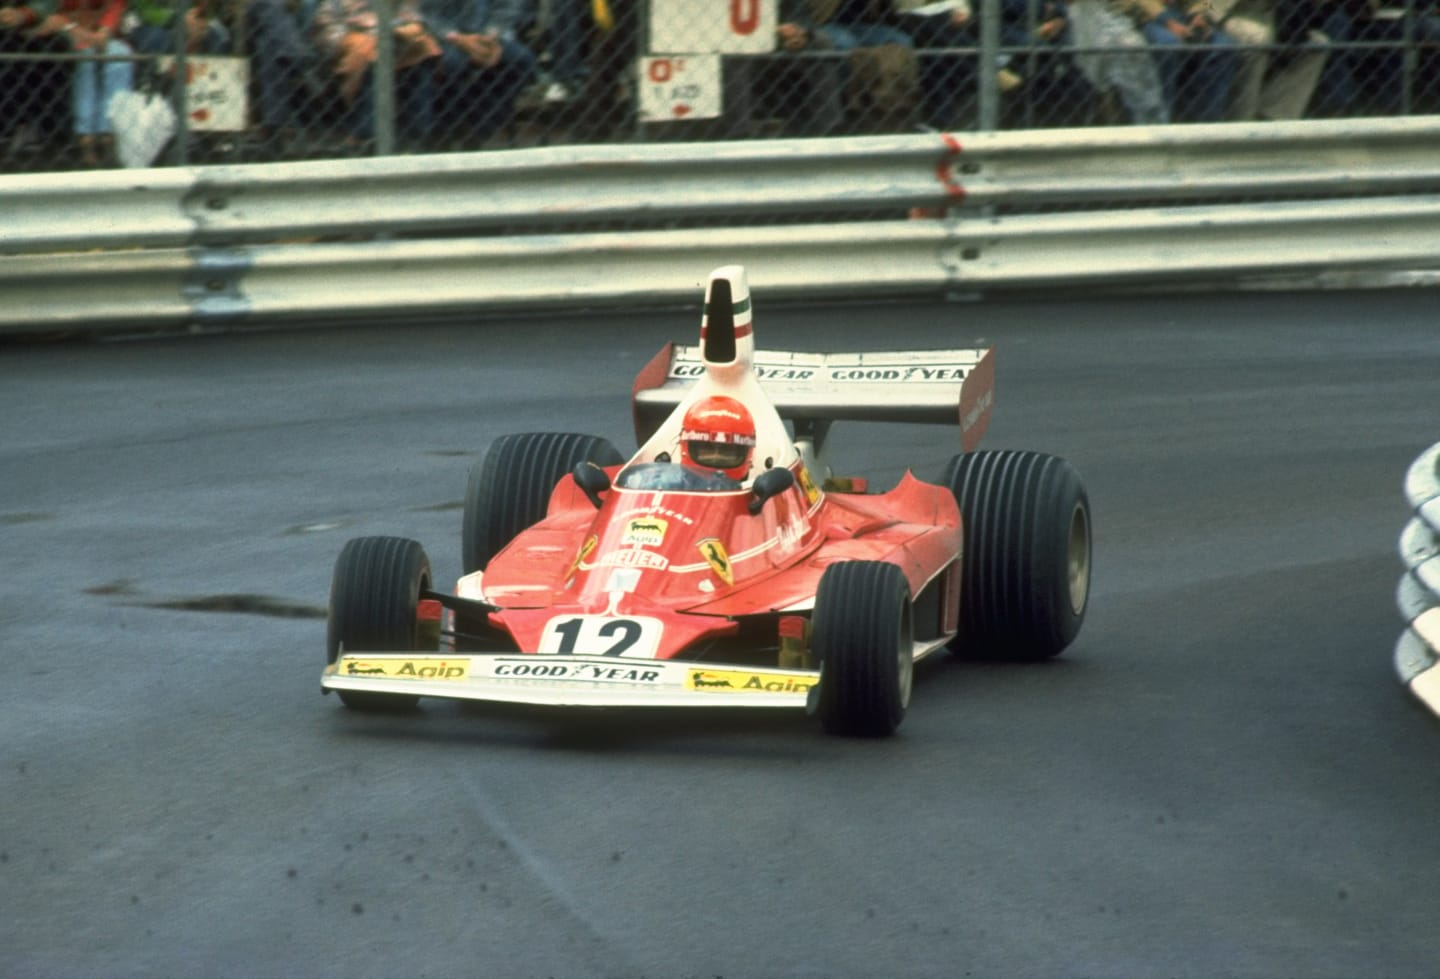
(717, 440)
(718, 434)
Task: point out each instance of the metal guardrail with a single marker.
(515, 228)
(1417, 654)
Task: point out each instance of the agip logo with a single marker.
(742, 681)
(409, 669)
(645, 531)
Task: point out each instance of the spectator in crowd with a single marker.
(880, 73)
(566, 26)
(1037, 71)
(1197, 61)
(1056, 91)
(346, 34)
(92, 27)
(810, 91)
(1357, 80)
(947, 82)
(845, 24)
(281, 60)
(1114, 56)
(152, 28)
(483, 65)
(37, 109)
(1273, 84)
(605, 108)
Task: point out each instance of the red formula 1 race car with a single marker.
(721, 564)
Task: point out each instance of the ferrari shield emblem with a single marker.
(586, 549)
(808, 485)
(719, 561)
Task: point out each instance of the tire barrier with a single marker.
(1417, 654)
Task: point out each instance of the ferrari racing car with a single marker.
(723, 563)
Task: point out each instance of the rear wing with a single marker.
(930, 386)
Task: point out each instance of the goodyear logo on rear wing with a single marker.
(904, 373)
(834, 373)
(409, 669)
(744, 681)
(687, 369)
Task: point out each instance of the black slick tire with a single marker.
(374, 598)
(863, 637)
(1025, 577)
(509, 489)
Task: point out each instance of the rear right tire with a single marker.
(1025, 577)
(509, 489)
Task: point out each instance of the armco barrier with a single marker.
(920, 214)
(1417, 654)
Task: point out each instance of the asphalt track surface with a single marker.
(1222, 777)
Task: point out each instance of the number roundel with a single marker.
(601, 635)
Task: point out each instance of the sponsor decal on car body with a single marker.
(731, 681)
(808, 485)
(586, 549)
(635, 559)
(410, 669)
(532, 669)
(718, 559)
(645, 532)
(657, 511)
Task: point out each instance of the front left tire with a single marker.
(863, 636)
(374, 604)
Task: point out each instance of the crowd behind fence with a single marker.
(102, 83)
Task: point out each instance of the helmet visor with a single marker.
(718, 455)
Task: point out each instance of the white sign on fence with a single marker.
(217, 92)
(676, 87)
(713, 26)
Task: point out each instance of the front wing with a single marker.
(570, 681)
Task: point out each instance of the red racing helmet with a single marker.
(718, 433)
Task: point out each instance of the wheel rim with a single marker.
(1078, 559)
(906, 655)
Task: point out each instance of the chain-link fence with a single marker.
(98, 83)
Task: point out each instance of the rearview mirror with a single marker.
(772, 482)
(592, 480)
